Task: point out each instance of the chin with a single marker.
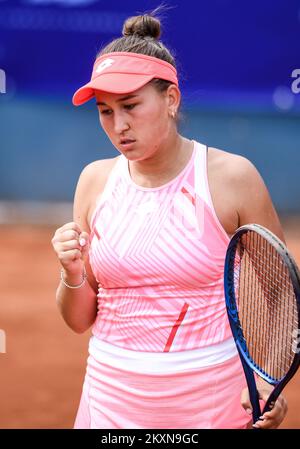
(136, 152)
(132, 154)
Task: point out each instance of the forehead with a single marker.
(108, 97)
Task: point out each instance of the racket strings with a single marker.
(266, 304)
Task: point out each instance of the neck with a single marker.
(164, 164)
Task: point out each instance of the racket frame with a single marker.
(232, 311)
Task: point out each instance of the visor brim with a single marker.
(117, 83)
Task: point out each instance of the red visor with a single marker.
(124, 72)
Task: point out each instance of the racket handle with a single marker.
(272, 398)
(254, 399)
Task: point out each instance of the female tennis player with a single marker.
(142, 262)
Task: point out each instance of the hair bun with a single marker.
(143, 26)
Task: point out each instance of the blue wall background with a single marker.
(235, 63)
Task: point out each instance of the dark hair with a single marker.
(141, 35)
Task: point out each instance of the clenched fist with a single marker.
(71, 245)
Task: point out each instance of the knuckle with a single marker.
(71, 234)
(75, 226)
(55, 244)
(54, 238)
(74, 244)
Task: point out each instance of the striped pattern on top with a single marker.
(158, 255)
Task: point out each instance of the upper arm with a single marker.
(89, 187)
(254, 204)
(84, 194)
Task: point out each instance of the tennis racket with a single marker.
(262, 291)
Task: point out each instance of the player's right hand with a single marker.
(71, 245)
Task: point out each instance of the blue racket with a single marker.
(262, 291)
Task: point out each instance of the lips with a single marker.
(127, 144)
(126, 141)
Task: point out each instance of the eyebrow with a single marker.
(128, 97)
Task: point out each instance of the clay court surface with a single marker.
(43, 368)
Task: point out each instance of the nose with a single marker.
(120, 123)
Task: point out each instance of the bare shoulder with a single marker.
(222, 169)
(100, 167)
(89, 187)
(238, 175)
(231, 166)
(239, 192)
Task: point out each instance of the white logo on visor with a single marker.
(104, 65)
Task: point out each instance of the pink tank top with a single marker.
(158, 256)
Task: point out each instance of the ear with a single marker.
(173, 97)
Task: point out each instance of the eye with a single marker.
(106, 112)
(129, 106)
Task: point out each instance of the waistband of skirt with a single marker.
(161, 362)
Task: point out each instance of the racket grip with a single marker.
(272, 398)
(254, 399)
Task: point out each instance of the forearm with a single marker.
(78, 307)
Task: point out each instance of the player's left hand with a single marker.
(271, 419)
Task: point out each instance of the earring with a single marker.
(173, 113)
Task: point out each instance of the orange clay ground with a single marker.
(42, 371)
